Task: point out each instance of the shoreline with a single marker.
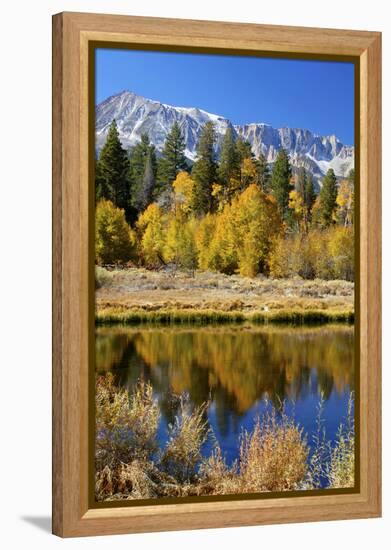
(138, 296)
(208, 317)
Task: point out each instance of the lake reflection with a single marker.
(235, 368)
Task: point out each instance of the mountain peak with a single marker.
(136, 115)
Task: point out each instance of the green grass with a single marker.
(115, 316)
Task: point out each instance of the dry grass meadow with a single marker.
(137, 294)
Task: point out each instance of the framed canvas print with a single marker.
(216, 274)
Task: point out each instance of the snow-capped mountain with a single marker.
(316, 153)
(136, 115)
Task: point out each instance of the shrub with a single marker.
(340, 472)
(186, 437)
(333, 464)
(274, 456)
(103, 277)
(126, 427)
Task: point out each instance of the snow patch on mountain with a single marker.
(136, 115)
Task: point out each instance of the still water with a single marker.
(236, 369)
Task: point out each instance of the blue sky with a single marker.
(317, 95)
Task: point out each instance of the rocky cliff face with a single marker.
(136, 115)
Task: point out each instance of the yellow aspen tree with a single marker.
(223, 252)
(296, 205)
(183, 186)
(341, 249)
(114, 239)
(220, 196)
(204, 234)
(151, 227)
(248, 173)
(180, 247)
(255, 223)
(345, 202)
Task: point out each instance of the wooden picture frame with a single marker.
(73, 283)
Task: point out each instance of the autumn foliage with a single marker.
(322, 254)
(114, 239)
(231, 216)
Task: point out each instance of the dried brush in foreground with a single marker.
(183, 449)
(126, 427)
(332, 465)
(274, 456)
(340, 472)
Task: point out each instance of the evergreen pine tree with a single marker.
(309, 194)
(146, 190)
(137, 164)
(328, 198)
(263, 173)
(301, 181)
(305, 188)
(280, 183)
(101, 192)
(229, 159)
(173, 159)
(243, 149)
(204, 170)
(112, 171)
